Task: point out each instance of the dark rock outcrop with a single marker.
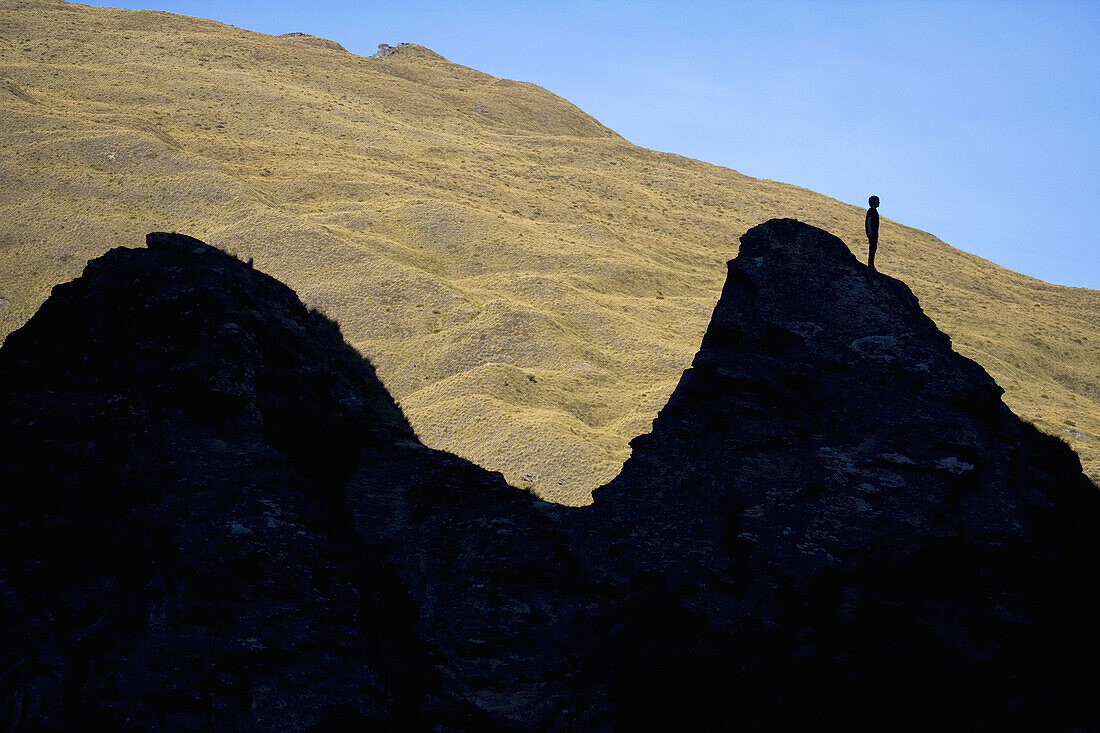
(215, 516)
(177, 548)
(833, 478)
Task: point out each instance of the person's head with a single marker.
(873, 201)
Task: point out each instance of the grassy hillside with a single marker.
(529, 284)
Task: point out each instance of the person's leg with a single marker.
(872, 246)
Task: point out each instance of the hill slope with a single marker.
(529, 285)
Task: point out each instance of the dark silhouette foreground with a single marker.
(214, 516)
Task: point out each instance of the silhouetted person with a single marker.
(872, 231)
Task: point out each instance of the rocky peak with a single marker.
(202, 330)
(411, 50)
(829, 463)
(175, 431)
(811, 353)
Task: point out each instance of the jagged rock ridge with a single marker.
(217, 517)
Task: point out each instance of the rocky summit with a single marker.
(215, 516)
(832, 478)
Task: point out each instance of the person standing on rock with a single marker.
(872, 231)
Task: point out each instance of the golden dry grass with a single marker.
(529, 284)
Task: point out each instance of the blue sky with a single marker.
(976, 121)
